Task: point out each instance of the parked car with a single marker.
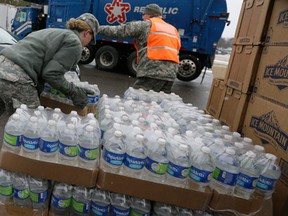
(6, 38)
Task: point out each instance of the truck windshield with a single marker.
(21, 16)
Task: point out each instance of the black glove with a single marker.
(79, 97)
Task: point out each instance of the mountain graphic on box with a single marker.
(267, 128)
(277, 74)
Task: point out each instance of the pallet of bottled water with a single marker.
(51, 97)
(155, 137)
(51, 144)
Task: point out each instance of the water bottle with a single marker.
(248, 176)
(21, 191)
(6, 187)
(201, 169)
(105, 124)
(226, 172)
(12, 134)
(179, 165)
(38, 191)
(93, 99)
(120, 204)
(68, 146)
(156, 161)
(239, 148)
(88, 156)
(30, 139)
(61, 199)
(140, 206)
(135, 157)
(100, 202)
(269, 175)
(80, 201)
(48, 143)
(162, 209)
(113, 153)
(217, 148)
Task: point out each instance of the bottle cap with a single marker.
(52, 122)
(230, 151)
(205, 149)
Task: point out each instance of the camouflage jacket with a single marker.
(164, 70)
(46, 55)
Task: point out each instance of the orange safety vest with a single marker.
(163, 41)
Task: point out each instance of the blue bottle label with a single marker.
(21, 194)
(246, 181)
(67, 150)
(177, 171)
(112, 158)
(200, 175)
(93, 99)
(265, 183)
(133, 162)
(12, 139)
(48, 146)
(80, 206)
(156, 167)
(30, 143)
(60, 203)
(225, 177)
(47, 88)
(120, 212)
(39, 197)
(88, 154)
(100, 210)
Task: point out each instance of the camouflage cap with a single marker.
(153, 9)
(91, 20)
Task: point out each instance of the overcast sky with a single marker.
(234, 7)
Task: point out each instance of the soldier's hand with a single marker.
(79, 97)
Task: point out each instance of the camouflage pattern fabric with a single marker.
(156, 85)
(161, 70)
(16, 87)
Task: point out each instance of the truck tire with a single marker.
(189, 68)
(87, 55)
(131, 64)
(107, 57)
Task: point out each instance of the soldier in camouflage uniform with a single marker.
(44, 56)
(155, 74)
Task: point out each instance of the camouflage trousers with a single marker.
(156, 85)
(16, 87)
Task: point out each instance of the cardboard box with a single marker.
(278, 25)
(219, 71)
(266, 124)
(10, 210)
(216, 97)
(272, 74)
(242, 67)
(280, 199)
(153, 191)
(234, 109)
(47, 170)
(65, 108)
(236, 205)
(253, 22)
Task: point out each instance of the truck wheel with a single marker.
(106, 57)
(131, 63)
(189, 68)
(87, 55)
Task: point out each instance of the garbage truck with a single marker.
(200, 24)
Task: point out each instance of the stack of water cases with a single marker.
(158, 138)
(46, 144)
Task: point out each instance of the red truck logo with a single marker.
(117, 11)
